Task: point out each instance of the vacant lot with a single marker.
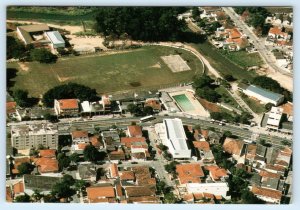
(221, 64)
(244, 59)
(126, 70)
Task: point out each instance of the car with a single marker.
(134, 162)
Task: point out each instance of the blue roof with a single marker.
(265, 93)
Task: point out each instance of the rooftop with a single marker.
(79, 134)
(139, 191)
(189, 173)
(135, 131)
(275, 194)
(233, 146)
(267, 94)
(55, 37)
(46, 165)
(96, 192)
(48, 153)
(68, 103)
(128, 141)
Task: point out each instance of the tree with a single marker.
(68, 91)
(42, 55)
(249, 198)
(80, 185)
(208, 94)
(134, 109)
(37, 196)
(21, 97)
(51, 118)
(68, 179)
(162, 147)
(268, 106)
(196, 13)
(148, 110)
(100, 172)
(74, 158)
(14, 48)
(171, 167)
(229, 78)
(62, 190)
(203, 81)
(25, 168)
(63, 161)
(23, 199)
(170, 198)
(90, 153)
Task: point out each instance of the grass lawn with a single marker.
(254, 105)
(136, 69)
(221, 64)
(226, 97)
(244, 59)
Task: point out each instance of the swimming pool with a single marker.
(184, 103)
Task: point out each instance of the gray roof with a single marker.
(271, 183)
(55, 37)
(261, 150)
(271, 155)
(243, 86)
(87, 171)
(255, 179)
(267, 94)
(41, 183)
(287, 125)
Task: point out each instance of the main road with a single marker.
(259, 44)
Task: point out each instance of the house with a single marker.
(66, 107)
(287, 109)
(134, 131)
(127, 176)
(56, 39)
(18, 161)
(33, 34)
(139, 191)
(251, 152)
(113, 171)
(268, 195)
(33, 135)
(235, 40)
(284, 158)
(11, 111)
(87, 172)
(111, 140)
(46, 165)
(264, 96)
(203, 150)
(172, 134)
(79, 136)
(189, 173)
(216, 173)
(128, 141)
(215, 188)
(48, 153)
(95, 140)
(274, 118)
(101, 194)
(96, 108)
(154, 104)
(234, 147)
(276, 33)
(139, 152)
(116, 156)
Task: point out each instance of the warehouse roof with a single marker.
(55, 37)
(265, 93)
(176, 133)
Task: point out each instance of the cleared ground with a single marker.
(176, 63)
(126, 70)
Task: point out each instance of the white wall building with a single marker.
(216, 188)
(56, 39)
(172, 134)
(274, 118)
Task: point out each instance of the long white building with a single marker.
(172, 134)
(216, 188)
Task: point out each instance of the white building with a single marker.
(216, 188)
(172, 134)
(274, 118)
(264, 96)
(34, 135)
(56, 39)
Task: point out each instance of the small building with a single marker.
(12, 112)
(234, 147)
(215, 188)
(268, 195)
(172, 134)
(274, 118)
(66, 107)
(264, 96)
(80, 137)
(101, 194)
(277, 34)
(56, 39)
(154, 104)
(134, 131)
(189, 173)
(33, 34)
(46, 165)
(111, 140)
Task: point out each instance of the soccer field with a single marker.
(126, 70)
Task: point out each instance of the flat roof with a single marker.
(267, 94)
(55, 37)
(35, 28)
(176, 133)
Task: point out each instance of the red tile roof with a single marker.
(233, 146)
(79, 134)
(287, 108)
(82, 146)
(95, 141)
(11, 107)
(48, 153)
(275, 194)
(216, 173)
(205, 133)
(202, 145)
(234, 33)
(277, 31)
(114, 170)
(139, 191)
(96, 192)
(18, 187)
(129, 140)
(153, 103)
(46, 165)
(189, 173)
(268, 174)
(127, 175)
(68, 103)
(8, 194)
(135, 131)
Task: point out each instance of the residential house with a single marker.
(276, 33)
(46, 165)
(154, 104)
(134, 131)
(66, 107)
(87, 172)
(215, 188)
(268, 195)
(47, 153)
(216, 173)
(189, 173)
(11, 111)
(33, 34)
(101, 194)
(111, 140)
(274, 118)
(234, 147)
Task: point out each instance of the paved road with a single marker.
(258, 43)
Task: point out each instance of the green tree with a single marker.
(134, 109)
(68, 179)
(51, 118)
(14, 48)
(162, 147)
(249, 198)
(229, 78)
(148, 110)
(80, 185)
(90, 153)
(23, 199)
(204, 81)
(63, 161)
(268, 106)
(171, 167)
(42, 55)
(62, 190)
(170, 198)
(21, 97)
(208, 94)
(100, 172)
(37, 196)
(74, 157)
(196, 13)
(25, 168)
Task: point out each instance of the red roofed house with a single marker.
(11, 111)
(216, 173)
(235, 40)
(128, 141)
(139, 151)
(80, 137)
(66, 107)
(18, 188)
(113, 170)
(277, 34)
(233, 146)
(268, 195)
(189, 173)
(154, 104)
(48, 153)
(46, 165)
(134, 131)
(101, 194)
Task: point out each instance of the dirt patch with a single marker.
(63, 79)
(23, 66)
(211, 107)
(157, 65)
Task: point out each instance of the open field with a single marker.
(127, 70)
(221, 64)
(244, 59)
